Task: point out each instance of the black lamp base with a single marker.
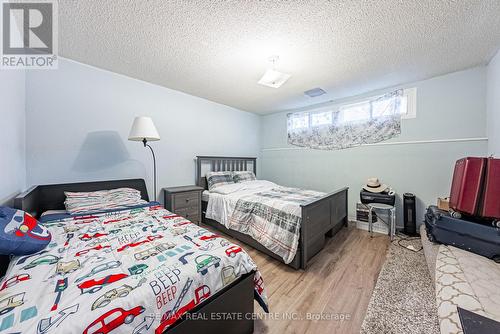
(145, 142)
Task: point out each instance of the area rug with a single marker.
(403, 300)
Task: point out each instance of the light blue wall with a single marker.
(494, 106)
(12, 134)
(452, 106)
(79, 117)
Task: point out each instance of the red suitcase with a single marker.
(467, 185)
(490, 207)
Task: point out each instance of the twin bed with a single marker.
(319, 215)
(137, 270)
(144, 269)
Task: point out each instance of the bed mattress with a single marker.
(462, 279)
(466, 280)
(126, 271)
(268, 213)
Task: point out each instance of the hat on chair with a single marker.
(373, 185)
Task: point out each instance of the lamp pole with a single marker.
(145, 142)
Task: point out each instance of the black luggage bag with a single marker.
(471, 236)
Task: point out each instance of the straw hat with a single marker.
(373, 185)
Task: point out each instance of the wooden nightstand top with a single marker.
(181, 189)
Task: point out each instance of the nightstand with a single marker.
(184, 201)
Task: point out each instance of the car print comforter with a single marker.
(130, 271)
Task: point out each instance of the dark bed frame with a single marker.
(236, 298)
(321, 218)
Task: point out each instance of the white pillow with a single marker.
(228, 188)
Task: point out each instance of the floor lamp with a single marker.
(143, 129)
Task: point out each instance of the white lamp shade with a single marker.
(143, 128)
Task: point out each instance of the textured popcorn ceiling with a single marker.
(218, 50)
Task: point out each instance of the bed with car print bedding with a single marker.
(134, 271)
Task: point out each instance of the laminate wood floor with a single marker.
(332, 295)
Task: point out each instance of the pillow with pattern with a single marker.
(243, 176)
(20, 233)
(217, 179)
(102, 200)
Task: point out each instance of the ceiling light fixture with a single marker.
(273, 78)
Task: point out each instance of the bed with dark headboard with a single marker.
(320, 218)
(38, 199)
(236, 298)
(206, 164)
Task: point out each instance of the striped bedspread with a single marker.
(273, 218)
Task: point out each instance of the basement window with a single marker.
(409, 103)
(299, 121)
(400, 102)
(365, 121)
(321, 118)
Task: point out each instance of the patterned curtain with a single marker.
(370, 121)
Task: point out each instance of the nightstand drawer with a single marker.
(186, 200)
(192, 214)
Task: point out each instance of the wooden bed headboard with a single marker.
(39, 199)
(205, 164)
